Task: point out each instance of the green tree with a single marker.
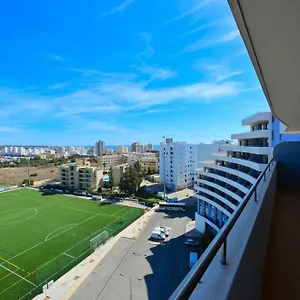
(111, 178)
(131, 180)
(25, 181)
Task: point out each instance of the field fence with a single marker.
(71, 257)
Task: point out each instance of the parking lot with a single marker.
(136, 269)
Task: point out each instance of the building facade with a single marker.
(149, 165)
(178, 161)
(222, 183)
(118, 172)
(108, 161)
(99, 148)
(80, 177)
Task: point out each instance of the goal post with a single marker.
(99, 240)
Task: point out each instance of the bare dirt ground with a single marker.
(15, 176)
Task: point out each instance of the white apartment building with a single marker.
(80, 177)
(108, 161)
(222, 183)
(178, 161)
(99, 148)
(133, 157)
(120, 149)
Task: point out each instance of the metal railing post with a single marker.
(224, 252)
(255, 194)
(265, 176)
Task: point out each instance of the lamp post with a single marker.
(164, 172)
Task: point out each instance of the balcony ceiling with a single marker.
(271, 31)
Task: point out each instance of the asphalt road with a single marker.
(136, 269)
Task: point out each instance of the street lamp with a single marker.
(164, 172)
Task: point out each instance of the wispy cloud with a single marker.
(156, 72)
(189, 11)
(149, 50)
(118, 8)
(9, 129)
(208, 42)
(218, 72)
(58, 57)
(57, 86)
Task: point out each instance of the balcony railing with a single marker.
(187, 286)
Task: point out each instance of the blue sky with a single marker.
(73, 72)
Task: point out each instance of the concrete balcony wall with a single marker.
(213, 194)
(257, 118)
(246, 149)
(233, 171)
(220, 188)
(242, 276)
(224, 179)
(251, 135)
(242, 162)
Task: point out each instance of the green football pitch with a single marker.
(44, 236)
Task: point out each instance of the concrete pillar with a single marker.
(209, 211)
(220, 218)
(215, 215)
(203, 208)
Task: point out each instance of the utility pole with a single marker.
(28, 171)
(164, 162)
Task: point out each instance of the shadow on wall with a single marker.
(287, 155)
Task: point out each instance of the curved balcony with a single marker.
(247, 149)
(232, 171)
(243, 162)
(226, 180)
(251, 135)
(213, 194)
(219, 207)
(220, 188)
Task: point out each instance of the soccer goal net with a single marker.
(99, 240)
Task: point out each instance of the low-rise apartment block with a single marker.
(149, 165)
(80, 177)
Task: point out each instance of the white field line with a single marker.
(58, 229)
(54, 258)
(92, 217)
(13, 222)
(23, 210)
(17, 275)
(69, 255)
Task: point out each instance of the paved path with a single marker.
(135, 269)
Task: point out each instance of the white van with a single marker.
(159, 232)
(193, 259)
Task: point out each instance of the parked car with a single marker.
(191, 242)
(155, 237)
(162, 229)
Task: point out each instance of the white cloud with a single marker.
(208, 42)
(156, 72)
(57, 86)
(218, 72)
(8, 129)
(190, 11)
(58, 57)
(149, 50)
(118, 8)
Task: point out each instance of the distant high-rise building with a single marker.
(140, 148)
(120, 149)
(99, 148)
(133, 147)
(149, 147)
